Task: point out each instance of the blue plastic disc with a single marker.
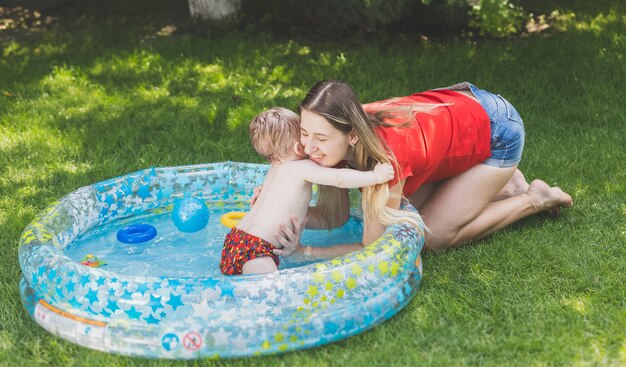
(136, 233)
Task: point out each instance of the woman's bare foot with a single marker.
(517, 185)
(546, 198)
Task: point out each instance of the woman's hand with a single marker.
(383, 172)
(255, 194)
(290, 239)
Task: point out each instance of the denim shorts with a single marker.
(507, 128)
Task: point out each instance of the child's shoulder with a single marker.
(299, 163)
(298, 167)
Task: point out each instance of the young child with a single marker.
(275, 134)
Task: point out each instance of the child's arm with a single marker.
(346, 178)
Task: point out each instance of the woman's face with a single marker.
(324, 144)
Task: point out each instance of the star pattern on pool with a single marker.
(222, 309)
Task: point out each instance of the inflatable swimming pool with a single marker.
(204, 315)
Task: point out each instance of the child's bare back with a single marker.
(285, 192)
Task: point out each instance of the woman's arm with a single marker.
(290, 239)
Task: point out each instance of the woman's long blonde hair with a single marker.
(339, 105)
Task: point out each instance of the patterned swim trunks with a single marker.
(241, 247)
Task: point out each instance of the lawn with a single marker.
(84, 102)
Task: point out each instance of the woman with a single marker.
(455, 151)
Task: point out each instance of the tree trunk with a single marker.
(213, 9)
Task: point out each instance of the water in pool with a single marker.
(177, 254)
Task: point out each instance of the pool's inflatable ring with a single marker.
(231, 219)
(136, 233)
(168, 317)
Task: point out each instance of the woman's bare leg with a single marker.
(462, 209)
(419, 197)
(516, 185)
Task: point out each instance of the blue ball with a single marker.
(190, 215)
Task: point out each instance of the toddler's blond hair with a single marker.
(274, 132)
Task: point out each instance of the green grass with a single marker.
(81, 106)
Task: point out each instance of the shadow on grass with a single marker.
(81, 107)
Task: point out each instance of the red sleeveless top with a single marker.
(435, 146)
